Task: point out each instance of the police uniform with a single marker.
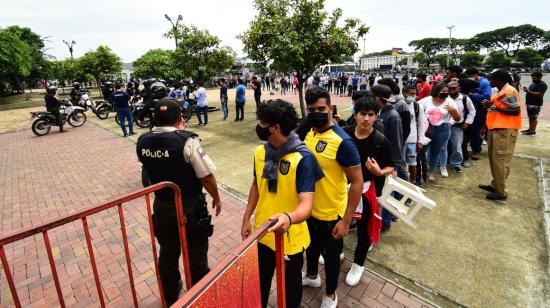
(52, 106)
(295, 176)
(334, 150)
(168, 154)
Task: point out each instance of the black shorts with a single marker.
(533, 111)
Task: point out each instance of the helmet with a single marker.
(158, 90)
(76, 85)
(51, 89)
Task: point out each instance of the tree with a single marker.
(430, 46)
(36, 48)
(299, 36)
(529, 57)
(527, 36)
(15, 60)
(498, 58)
(509, 38)
(199, 53)
(471, 59)
(66, 71)
(442, 60)
(101, 63)
(157, 63)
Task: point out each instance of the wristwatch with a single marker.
(493, 108)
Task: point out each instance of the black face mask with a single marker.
(443, 95)
(317, 119)
(262, 132)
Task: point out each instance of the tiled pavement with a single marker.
(48, 177)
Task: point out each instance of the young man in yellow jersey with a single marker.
(333, 207)
(285, 172)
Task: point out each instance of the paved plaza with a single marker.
(48, 177)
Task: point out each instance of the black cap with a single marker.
(383, 91)
(167, 110)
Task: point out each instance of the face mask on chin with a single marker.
(317, 119)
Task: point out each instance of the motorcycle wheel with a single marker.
(77, 119)
(41, 127)
(103, 113)
(117, 120)
(146, 122)
(187, 115)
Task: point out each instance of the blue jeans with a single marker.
(438, 143)
(204, 110)
(224, 107)
(123, 115)
(457, 134)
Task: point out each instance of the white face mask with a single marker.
(410, 99)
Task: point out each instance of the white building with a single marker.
(127, 69)
(387, 62)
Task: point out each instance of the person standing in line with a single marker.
(414, 144)
(121, 100)
(240, 99)
(202, 104)
(333, 205)
(257, 87)
(424, 88)
(224, 98)
(440, 110)
(503, 124)
(285, 172)
(467, 113)
(534, 96)
(478, 96)
(375, 154)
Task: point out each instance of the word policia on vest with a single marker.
(155, 153)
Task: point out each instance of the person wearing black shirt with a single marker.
(53, 105)
(533, 99)
(224, 98)
(120, 98)
(75, 93)
(376, 162)
(257, 86)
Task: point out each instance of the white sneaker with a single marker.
(329, 302)
(308, 282)
(444, 172)
(354, 274)
(321, 260)
(342, 257)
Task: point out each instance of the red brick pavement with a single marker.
(47, 177)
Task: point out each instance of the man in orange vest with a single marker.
(503, 124)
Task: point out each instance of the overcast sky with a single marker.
(130, 28)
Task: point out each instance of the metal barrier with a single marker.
(232, 270)
(82, 215)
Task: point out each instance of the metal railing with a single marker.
(82, 215)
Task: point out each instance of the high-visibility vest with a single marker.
(496, 119)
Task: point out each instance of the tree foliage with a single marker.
(15, 60)
(498, 58)
(430, 46)
(36, 48)
(471, 59)
(157, 63)
(509, 39)
(199, 53)
(101, 63)
(441, 59)
(529, 56)
(299, 36)
(421, 58)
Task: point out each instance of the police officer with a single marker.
(157, 91)
(53, 105)
(168, 153)
(76, 93)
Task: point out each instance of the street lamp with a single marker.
(449, 50)
(70, 45)
(174, 26)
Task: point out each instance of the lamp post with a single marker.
(174, 25)
(70, 45)
(449, 50)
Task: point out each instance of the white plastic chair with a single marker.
(410, 192)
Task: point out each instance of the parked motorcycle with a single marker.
(74, 115)
(137, 107)
(104, 108)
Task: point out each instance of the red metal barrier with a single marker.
(235, 282)
(82, 215)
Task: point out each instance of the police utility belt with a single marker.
(199, 220)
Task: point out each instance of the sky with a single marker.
(131, 28)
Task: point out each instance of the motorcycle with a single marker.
(137, 107)
(74, 115)
(104, 108)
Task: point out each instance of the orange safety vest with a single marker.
(496, 119)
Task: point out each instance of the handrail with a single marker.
(82, 215)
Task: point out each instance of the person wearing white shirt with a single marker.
(416, 140)
(440, 111)
(467, 113)
(202, 104)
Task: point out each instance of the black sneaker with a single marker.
(456, 169)
(495, 196)
(524, 131)
(528, 133)
(488, 188)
